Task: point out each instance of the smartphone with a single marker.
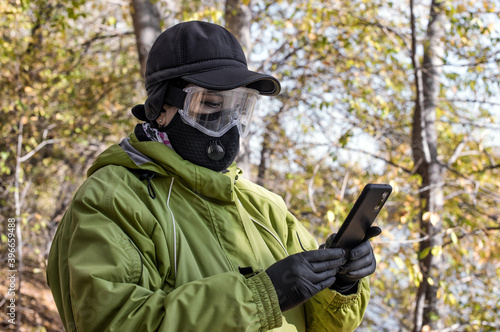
(361, 217)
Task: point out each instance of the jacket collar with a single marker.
(162, 160)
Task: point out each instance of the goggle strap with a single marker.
(175, 96)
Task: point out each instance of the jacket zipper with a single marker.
(267, 229)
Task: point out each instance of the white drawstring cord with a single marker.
(173, 223)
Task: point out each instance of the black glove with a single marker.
(299, 277)
(361, 263)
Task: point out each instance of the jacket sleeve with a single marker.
(328, 310)
(111, 289)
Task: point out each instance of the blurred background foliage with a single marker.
(71, 72)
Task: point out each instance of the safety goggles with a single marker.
(215, 112)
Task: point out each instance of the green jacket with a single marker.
(152, 242)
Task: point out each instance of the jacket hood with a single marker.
(156, 157)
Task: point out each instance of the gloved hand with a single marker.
(361, 263)
(299, 277)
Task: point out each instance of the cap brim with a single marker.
(139, 112)
(228, 78)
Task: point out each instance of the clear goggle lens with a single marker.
(215, 112)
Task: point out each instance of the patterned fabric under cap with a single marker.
(155, 135)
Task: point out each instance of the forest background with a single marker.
(399, 92)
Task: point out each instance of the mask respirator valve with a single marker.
(215, 150)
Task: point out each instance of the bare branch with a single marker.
(457, 152)
(25, 191)
(99, 36)
(490, 58)
(487, 168)
(344, 185)
(403, 37)
(462, 327)
(427, 237)
(279, 50)
(389, 162)
(310, 188)
(408, 241)
(475, 232)
(475, 101)
(484, 169)
(38, 148)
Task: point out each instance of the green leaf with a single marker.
(454, 237)
(424, 253)
(399, 262)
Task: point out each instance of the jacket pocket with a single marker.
(136, 265)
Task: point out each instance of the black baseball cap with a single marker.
(206, 55)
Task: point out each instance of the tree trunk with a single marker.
(146, 20)
(265, 155)
(425, 155)
(19, 268)
(238, 17)
(271, 130)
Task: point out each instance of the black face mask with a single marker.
(215, 153)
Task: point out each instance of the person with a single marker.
(166, 234)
